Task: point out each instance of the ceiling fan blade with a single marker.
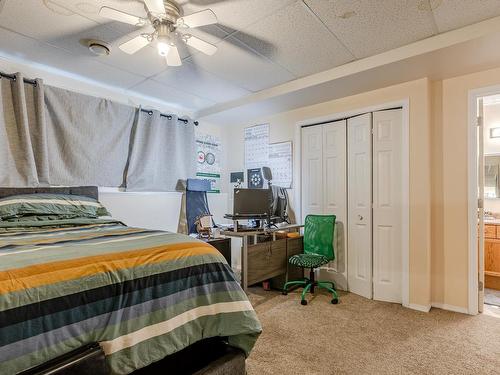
(173, 58)
(200, 45)
(134, 45)
(155, 6)
(205, 17)
(118, 15)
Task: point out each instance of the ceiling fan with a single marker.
(165, 25)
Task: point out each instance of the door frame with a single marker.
(472, 177)
(405, 183)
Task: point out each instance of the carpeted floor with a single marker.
(360, 336)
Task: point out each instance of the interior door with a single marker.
(480, 237)
(335, 197)
(312, 171)
(359, 167)
(387, 204)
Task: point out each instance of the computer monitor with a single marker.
(251, 202)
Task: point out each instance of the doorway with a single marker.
(488, 198)
(356, 167)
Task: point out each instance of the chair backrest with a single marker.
(196, 202)
(318, 235)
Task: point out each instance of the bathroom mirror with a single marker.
(491, 176)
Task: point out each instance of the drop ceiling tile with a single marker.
(33, 18)
(21, 47)
(90, 9)
(243, 67)
(453, 14)
(171, 95)
(297, 40)
(236, 14)
(195, 80)
(368, 27)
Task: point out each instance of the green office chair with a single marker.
(318, 251)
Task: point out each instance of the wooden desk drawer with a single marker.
(490, 231)
(294, 246)
(266, 260)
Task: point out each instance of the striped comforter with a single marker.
(141, 294)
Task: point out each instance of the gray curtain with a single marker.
(88, 138)
(162, 153)
(51, 136)
(23, 139)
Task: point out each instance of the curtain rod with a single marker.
(148, 111)
(13, 77)
(185, 121)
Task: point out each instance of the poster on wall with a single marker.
(256, 146)
(209, 152)
(260, 153)
(280, 162)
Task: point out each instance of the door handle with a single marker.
(360, 218)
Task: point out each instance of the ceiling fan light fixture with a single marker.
(162, 26)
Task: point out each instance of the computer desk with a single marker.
(246, 248)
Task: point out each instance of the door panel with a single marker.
(359, 149)
(335, 197)
(312, 171)
(480, 156)
(387, 204)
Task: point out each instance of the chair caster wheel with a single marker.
(335, 301)
(284, 292)
(303, 302)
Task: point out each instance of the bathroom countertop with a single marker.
(492, 221)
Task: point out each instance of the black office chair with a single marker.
(196, 202)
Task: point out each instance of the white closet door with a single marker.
(335, 196)
(387, 216)
(359, 148)
(312, 171)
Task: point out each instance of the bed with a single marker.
(80, 290)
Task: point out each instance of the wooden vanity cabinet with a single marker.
(492, 256)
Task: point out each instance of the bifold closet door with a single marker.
(312, 171)
(387, 204)
(335, 196)
(359, 167)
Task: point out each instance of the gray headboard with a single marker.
(86, 191)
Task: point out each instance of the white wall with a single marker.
(148, 210)
(144, 210)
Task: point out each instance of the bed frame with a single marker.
(207, 357)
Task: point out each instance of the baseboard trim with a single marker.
(415, 306)
(445, 306)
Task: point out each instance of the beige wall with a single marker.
(454, 144)
(283, 128)
(438, 175)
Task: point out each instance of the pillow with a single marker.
(50, 204)
(25, 218)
